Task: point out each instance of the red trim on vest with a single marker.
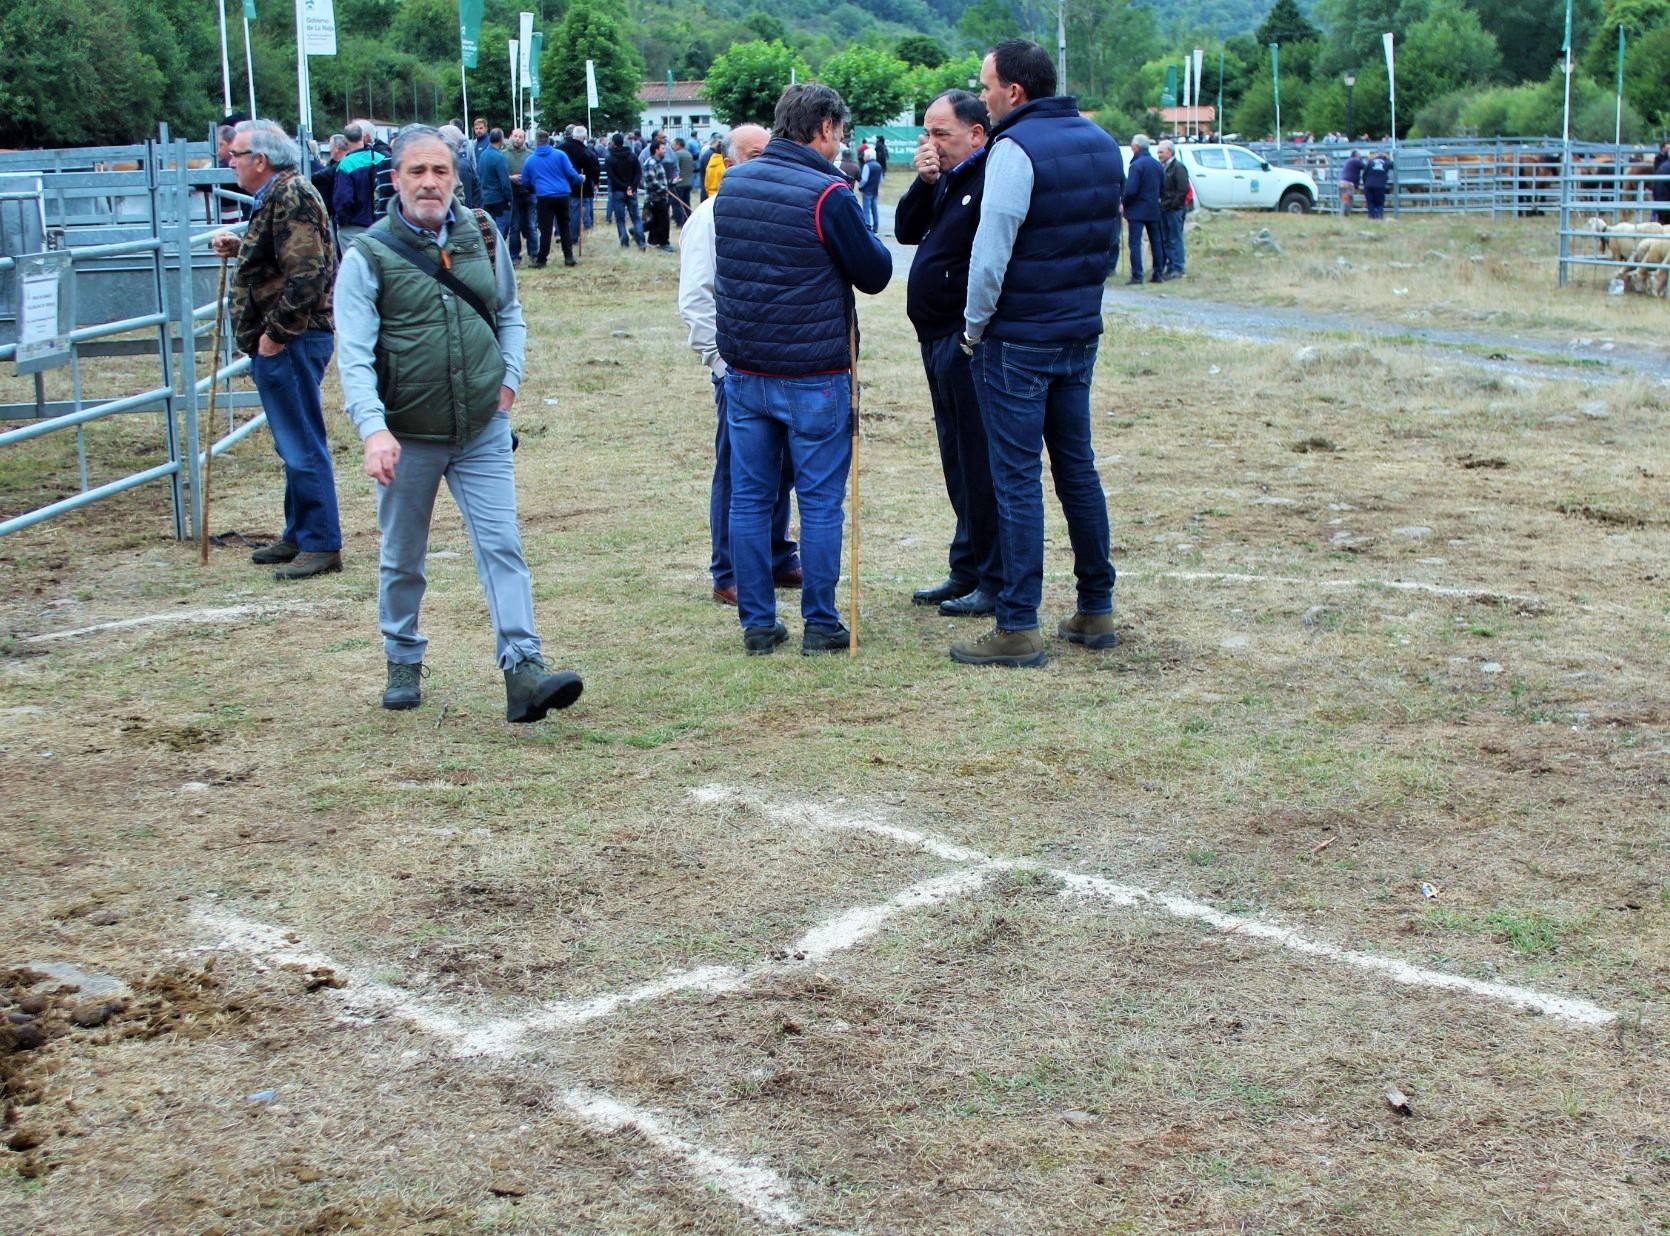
(817, 218)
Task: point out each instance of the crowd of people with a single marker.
(406, 270)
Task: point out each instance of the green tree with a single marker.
(988, 22)
(1647, 75)
(766, 26)
(919, 49)
(1529, 32)
(923, 84)
(744, 83)
(46, 47)
(872, 83)
(1446, 51)
(1285, 24)
(588, 31)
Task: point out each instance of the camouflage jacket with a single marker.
(286, 267)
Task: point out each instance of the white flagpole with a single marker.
(1200, 55)
(249, 68)
(225, 63)
(515, 85)
(304, 118)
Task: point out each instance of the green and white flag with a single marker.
(249, 10)
(469, 31)
(533, 62)
(1275, 84)
(1168, 95)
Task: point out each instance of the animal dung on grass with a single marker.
(1398, 1101)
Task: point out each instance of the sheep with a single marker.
(1647, 265)
(1618, 240)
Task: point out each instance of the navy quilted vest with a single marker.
(1052, 292)
(782, 307)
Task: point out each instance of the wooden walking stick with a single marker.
(209, 437)
(852, 348)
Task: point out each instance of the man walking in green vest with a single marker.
(431, 342)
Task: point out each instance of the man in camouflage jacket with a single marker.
(281, 319)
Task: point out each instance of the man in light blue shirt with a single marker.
(429, 294)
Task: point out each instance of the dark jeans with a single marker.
(1032, 397)
(785, 554)
(1376, 202)
(975, 559)
(809, 420)
(1156, 246)
(872, 210)
(289, 386)
(554, 210)
(522, 224)
(626, 206)
(1171, 228)
(656, 223)
(500, 215)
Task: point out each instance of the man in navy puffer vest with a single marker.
(790, 247)
(1034, 312)
(939, 213)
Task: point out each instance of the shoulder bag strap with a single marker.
(436, 272)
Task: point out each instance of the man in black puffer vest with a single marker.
(790, 247)
(939, 213)
(1034, 313)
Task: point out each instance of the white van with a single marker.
(1234, 178)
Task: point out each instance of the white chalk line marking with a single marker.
(1566, 1008)
(753, 1186)
(224, 613)
(845, 930)
(1395, 585)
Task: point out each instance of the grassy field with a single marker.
(880, 944)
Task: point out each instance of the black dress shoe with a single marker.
(945, 590)
(969, 605)
(1135, 281)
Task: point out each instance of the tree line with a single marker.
(79, 72)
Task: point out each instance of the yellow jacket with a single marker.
(714, 174)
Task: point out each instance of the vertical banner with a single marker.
(249, 57)
(516, 82)
(469, 32)
(591, 84)
(1168, 93)
(225, 61)
(1275, 88)
(1391, 87)
(524, 41)
(1618, 125)
(249, 10)
(320, 25)
(533, 62)
(1188, 96)
(1199, 55)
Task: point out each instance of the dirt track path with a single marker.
(1269, 324)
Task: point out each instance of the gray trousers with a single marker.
(483, 484)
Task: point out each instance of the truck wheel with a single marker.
(1295, 202)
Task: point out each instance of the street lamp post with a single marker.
(1350, 128)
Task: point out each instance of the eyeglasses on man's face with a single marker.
(238, 154)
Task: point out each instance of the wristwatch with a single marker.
(966, 344)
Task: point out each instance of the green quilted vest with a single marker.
(439, 368)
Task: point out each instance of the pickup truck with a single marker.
(1234, 178)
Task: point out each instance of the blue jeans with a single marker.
(523, 223)
(625, 207)
(500, 215)
(809, 420)
(483, 483)
(1376, 202)
(1171, 230)
(785, 554)
(872, 210)
(975, 559)
(289, 386)
(1156, 246)
(1032, 397)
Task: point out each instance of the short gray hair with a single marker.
(413, 134)
(1141, 141)
(268, 139)
(339, 141)
(1165, 143)
(353, 133)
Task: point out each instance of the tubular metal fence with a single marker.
(132, 224)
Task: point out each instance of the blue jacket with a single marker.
(1052, 290)
(790, 245)
(549, 172)
(941, 219)
(494, 171)
(1377, 173)
(1142, 187)
(354, 195)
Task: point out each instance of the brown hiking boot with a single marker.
(1094, 631)
(1018, 649)
(309, 563)
(275, 553)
